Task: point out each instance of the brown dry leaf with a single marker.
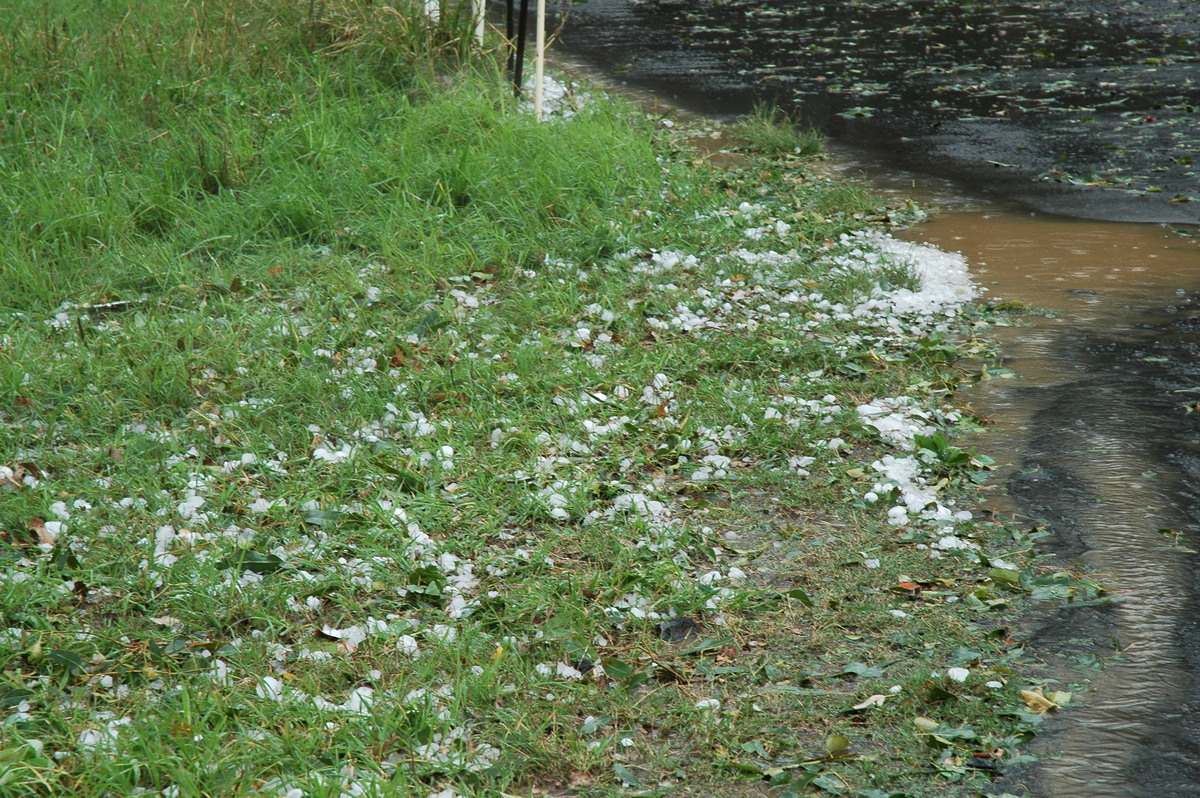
(577, 779)
(1036, 701)
(14, 481)
(346, 647)
(38, 527)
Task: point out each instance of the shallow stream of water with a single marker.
(1099, 437)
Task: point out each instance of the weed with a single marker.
(773, 133)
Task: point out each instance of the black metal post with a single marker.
(520, 55)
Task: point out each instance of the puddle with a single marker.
(1097, 437)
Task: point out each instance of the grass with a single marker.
(365, 437)
(772, 132)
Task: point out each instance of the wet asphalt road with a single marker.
(1087, 109)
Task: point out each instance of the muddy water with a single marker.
(1097, 437)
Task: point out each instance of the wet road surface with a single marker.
(1085, 109)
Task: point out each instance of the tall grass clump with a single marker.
(774, 133)
(180, 141)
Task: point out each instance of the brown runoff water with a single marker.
(1098, 436)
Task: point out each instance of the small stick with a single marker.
(508, 35)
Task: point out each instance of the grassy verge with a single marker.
(362, 436)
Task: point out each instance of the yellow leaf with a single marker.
(837, 744)
(1036, 701)
(925, 724)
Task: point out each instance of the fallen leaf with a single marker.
(872, 701)
(925, 724)
(38, 527)
(166, 620)
(1060, 697)
(837, 745)
(860, 671)
(1036, 701)
(799, 595)
(1005, 575)
(831, 783)
(68, 659)
(626, 775)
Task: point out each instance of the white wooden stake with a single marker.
(539, 72)
(477, 9)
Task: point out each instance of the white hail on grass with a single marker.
(766, 295)
(958, 674)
